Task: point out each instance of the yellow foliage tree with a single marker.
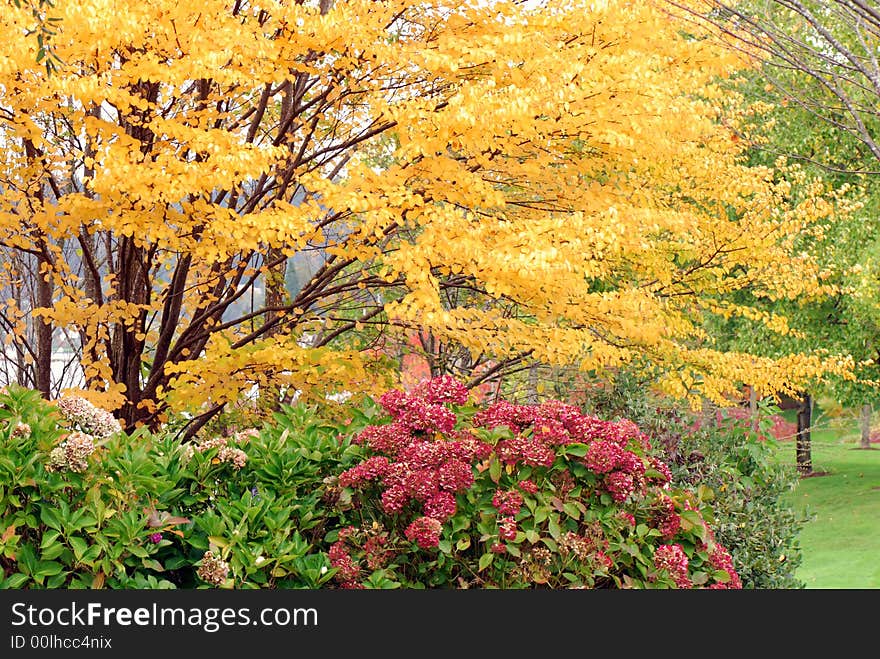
(550, 179)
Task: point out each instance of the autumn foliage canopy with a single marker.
(552, 181)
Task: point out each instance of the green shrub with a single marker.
(741, 472)
(140, 510)
(733, 467)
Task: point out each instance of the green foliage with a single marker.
(145, 510)
(738, 474)
(787, 123)
(278, 507)
(747, 483)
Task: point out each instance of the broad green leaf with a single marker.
(79, 546)
(495, 470)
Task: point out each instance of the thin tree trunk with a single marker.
(44, 329)
(804, 446)
(532, 390)
(44, 292)
(867, 410)
(276, 289)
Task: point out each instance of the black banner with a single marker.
(385, 623)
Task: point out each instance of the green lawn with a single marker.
(841, 543)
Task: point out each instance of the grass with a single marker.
(841, 542)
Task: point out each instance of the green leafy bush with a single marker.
(740, 470)
(138, 510)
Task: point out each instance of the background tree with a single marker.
(818, 64)
(818, 55)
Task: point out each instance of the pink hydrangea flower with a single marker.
(673, 559)
(425, 532)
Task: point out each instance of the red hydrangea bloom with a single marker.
(390, 439)
(441, 506)
(624, 430)
(658, 465)
(394, 402)
(504, 413)
(669, 525)
(422, 484)
(346, 532)
(550, 431)
(424, 454)
(527, 486)
(632, 464)
(507, 528)
(368, 470)
(567, 414)
(666, 520)
(587, 428)
(673, 559)
(620, 485)
(721, 559)
(525, 450)
(347, 569)
(604, 560)
(396, 474)
(507, 503)
(498, 548)
(629, 518)
(394, 499)
(416, 413)
(443, 389)
(603, 457)
(424, 531)
(455, 476)
(468, 448)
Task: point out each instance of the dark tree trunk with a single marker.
(127, 339)
(44, 292)
(867, 410)
(276, 290)
(44, 330)
(804, 447)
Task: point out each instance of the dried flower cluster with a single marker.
(213, 569)
(225, 453)
(72, 453)
(83, 415)
(372, 540)
(20, 431)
